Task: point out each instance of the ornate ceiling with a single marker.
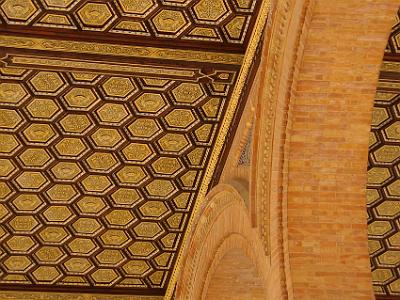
(383, 192)
(113, 116)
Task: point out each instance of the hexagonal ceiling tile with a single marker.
(19, 10)
(94, 14)
(169, 21)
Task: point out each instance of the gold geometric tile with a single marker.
(173, 142)
(136, 152)
(39, 134)
(43, 109)
(28, 203)
(71, 148)
(142, 249)
(387, 153)
(210, 10)
(119, 87)
(20, 10)
(379, 115)
(166, 165)
(90, 205)
(112, 113)
(21, 244)
(136, 267)
(46, 274)
(107, 138)
(58, 4)
(394, 188)
(78, 265)
(125, 197)
(114, 238)
(76, 124)
(381, 275)
(97, 184)
(137, 8)
(86, 226)
(102, 162)
(57, 214)
(150, 103)
(144, 128)
(180, 118)
(82, 246)
(131, 175)
(120, 217)
(24, 224)
(104, 276)
(160, 188)
(62, 193)
(392, 132)
(66, 170)
(379, 228)
(394, 240)
(8, 144)
(110, 257)
(388, 208)
(95, 14)
(9, 119)
(391, 258)
(373, 246)
(37, 158)
(31, 180)
(6, 168)
(81, 98)
(153, 209)
(148, 230)
(378, 175)
(18, 263)
(5, 191)
(47, 83)
(53, 234)
(49, 254)
(12, 93)
(169, 21)
(188, 93)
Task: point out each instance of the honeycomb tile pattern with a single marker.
(98, 173)
(216, 21)
(383, 189)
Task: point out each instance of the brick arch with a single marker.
(312, 157)
(222, 231)
(319, 71)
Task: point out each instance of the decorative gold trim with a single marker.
(20, 295)
(390, 66)
(34, 62)
(233, 102)
(118, 50)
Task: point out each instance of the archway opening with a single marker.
(235, 277)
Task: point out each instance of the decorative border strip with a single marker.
(240, 85)
(8, 41)
(20, 295)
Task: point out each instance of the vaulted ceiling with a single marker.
(113, 121)
(383, 192)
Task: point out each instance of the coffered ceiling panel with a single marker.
(216, 22)
(115, 119)
(383, 190)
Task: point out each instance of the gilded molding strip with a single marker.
(244, 72)
(119, 50)
(389, 85)
(12, 295)
(390, 66)
(86, 66)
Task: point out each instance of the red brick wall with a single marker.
(328, 145)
